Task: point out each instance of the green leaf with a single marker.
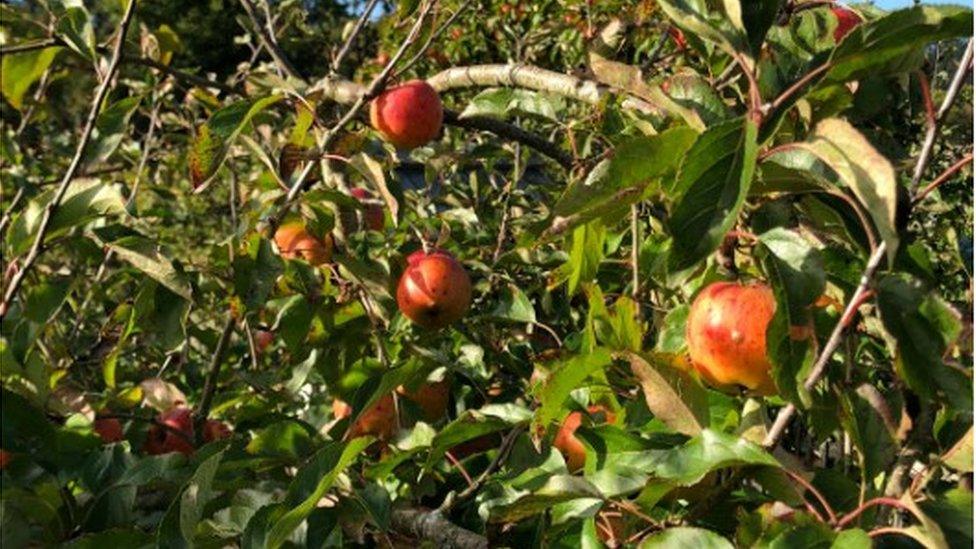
(473, 424)
(46, 298)
(514, 306)
(287, 439)
(213, 139)
(711, 188)
(863, 169)
(19, 71)
(758, 16)
(854, 538)
(637, 162)
(692, 91)
(685, 536)
(557, 489)
(688, 464)
(867, 419)
(144, 255)
(673, 396)
(75, 28)
(311, 483)
(806, 535)
(161, 314)
(960, 456)
(84, 201)
(923, 325)
(110, 128)
(127, 537)
(294, 321)
(503, 103)
(882, 46)
(255, 272)
(953, 512)
(585, 255)
(797, 270)
(724, 28)
(178, 527)
(564, 378)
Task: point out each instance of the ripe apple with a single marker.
(847, 19)
(164, 441)
(379, 420)
(5, 458)
(109, 429)
(382, 58)
(434, 290)
(215, 430)
(295, 242)
(571, 447)
(373, 216)
(263, 338)
(408, 115)
(430, 397)
(726, 334)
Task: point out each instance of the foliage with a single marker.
(703, 141)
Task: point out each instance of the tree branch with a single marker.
(30, 46)
(512, 132)
(52, 206)
(432, 526)
(820, 366)
(269, 41)
(530, 77)
(210, 384)
(344, 50)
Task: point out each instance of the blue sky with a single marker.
(892, 4)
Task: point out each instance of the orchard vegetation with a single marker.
(471, 273)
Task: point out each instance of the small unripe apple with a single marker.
(846, 21)
(5, 458)
(571, 447)
(726, 334)
(164, 441)
(109, 429)
(430, 397)
(409, 115)
(434, 290)
(373, 215)
(295, 242)
(215, 430)
(379, 420)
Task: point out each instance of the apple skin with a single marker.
(430, 397)
(434, 290)
(109, 429)
(373, 216)
(846, 21)
(5, 458)
(409, 115)
(571, 447)
(164, 441)
(295, 242)
(726, 335)
(262, 339)
(379, 420)
(215, 430)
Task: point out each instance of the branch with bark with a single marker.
(431, 525)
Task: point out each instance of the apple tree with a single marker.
(471, 273)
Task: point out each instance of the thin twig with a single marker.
(434, 36)
(344, 50)
(831, 516)
(9, 212)
(820, 366)
(210, 384)
(797, 86)
(52, 206)
(30, 46)
(946, 175)
(891, 502)
(269, 41)
(185, 76)
(506, 447)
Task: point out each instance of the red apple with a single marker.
(430, 397)
(295, 242)
(408, 115)
(373, 215)
(847, 19)
(379, 420)
(434, 290)
(215, 430)
(164, 441)
(5, 458)
(263, 338)
(571, 447)
(109, 429)
(726, 334)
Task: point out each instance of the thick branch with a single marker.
(86, 134)
(533, 78)
(432, 526)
